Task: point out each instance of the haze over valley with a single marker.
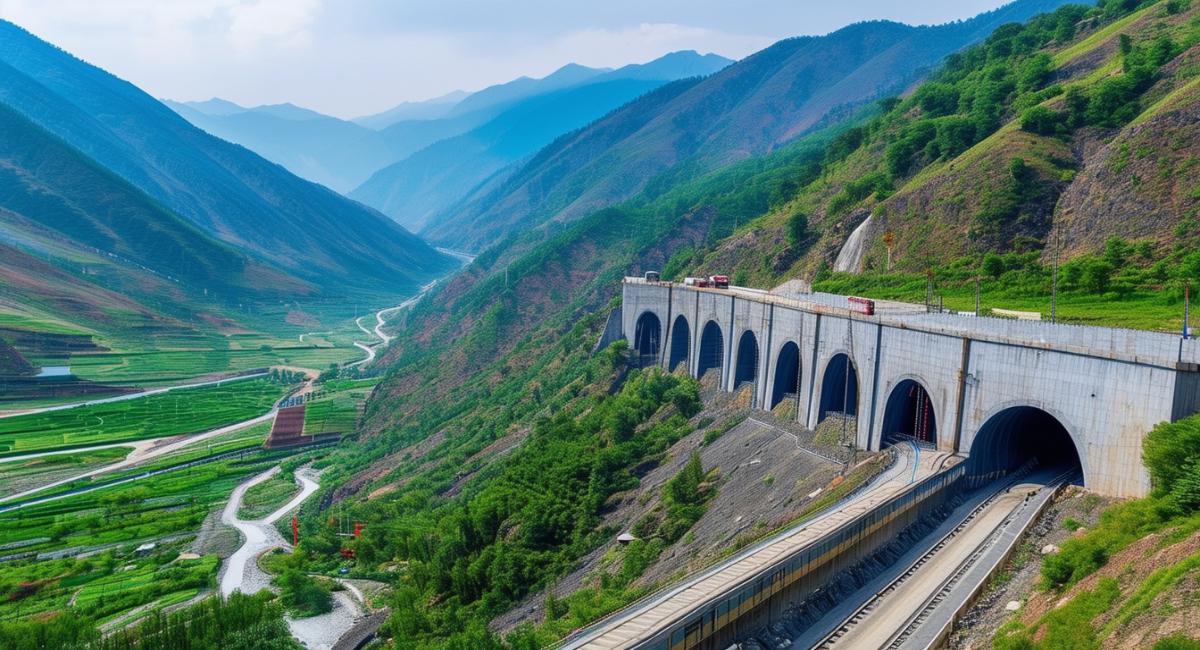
(650, 326)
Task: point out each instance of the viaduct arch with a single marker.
(996, 392)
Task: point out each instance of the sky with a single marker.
(349, 58)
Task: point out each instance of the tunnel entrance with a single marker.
(910, 414)
(712, 349)
(647, 335)
(1016, 435)
(746, 370)
(839, 388)
(787, 374)
(681, 342)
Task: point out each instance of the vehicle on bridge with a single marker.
(719, 281)
(862, 305)
(702, 283)
(652, 276)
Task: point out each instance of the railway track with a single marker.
(864, 629)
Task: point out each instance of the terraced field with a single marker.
(167, 414)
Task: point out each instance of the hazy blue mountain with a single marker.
(690, 128)
(230, 193)
(214, 106)
(416, 188)
(335, 153)
(430, 109)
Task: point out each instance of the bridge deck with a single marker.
(1164, 349)
(639, 622)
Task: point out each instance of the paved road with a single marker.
(380, 321)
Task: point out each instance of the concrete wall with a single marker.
(1106, 386)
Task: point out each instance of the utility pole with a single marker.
(977, 283)
(889, 241)
(1187, 306)
(1054, 293)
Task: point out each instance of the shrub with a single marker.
(993, 265)
(797, 228)
(1170, 450)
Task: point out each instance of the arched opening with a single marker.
(787, 374)
(712, 349)
(910, 414)
(746, 369)
(1019, 434)
(839, 388)
(681, 341)
(647, 335)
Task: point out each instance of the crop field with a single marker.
(177, 412)
(21, 475)
(169, 504)
(103, 587)
(338, 411)
(248, 440)
(153, 368)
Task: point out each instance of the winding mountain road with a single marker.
(241, 572)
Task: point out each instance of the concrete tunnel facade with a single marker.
(1105, 387)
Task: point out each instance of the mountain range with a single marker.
(343, 154)
(417, 188)
(692, 127)
(105, 184)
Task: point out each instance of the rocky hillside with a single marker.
(1082, 120)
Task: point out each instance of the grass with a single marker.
(168, 504)
(166, 414)
(267, 497)
(16, 476)
(1143, 309)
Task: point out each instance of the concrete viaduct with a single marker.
(996, 391)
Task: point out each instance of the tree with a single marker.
(1097, 275)
(1169, 449)
(993, 265)
(684, 487)
(797, 228)
(1043, 121)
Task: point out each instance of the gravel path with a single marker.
(321, 632)
(241, 572)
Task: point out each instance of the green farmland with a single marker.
(338, 410)
(103, 587)
(177, 412)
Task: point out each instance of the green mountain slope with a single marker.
(1076, 128)
(299, 228)
(497, 442)
(749, 109)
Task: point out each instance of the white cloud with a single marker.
(352, 57)
(279, 23)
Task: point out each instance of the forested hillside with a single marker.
(493, 397)
(1077, 127)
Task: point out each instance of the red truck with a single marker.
(862, 305)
